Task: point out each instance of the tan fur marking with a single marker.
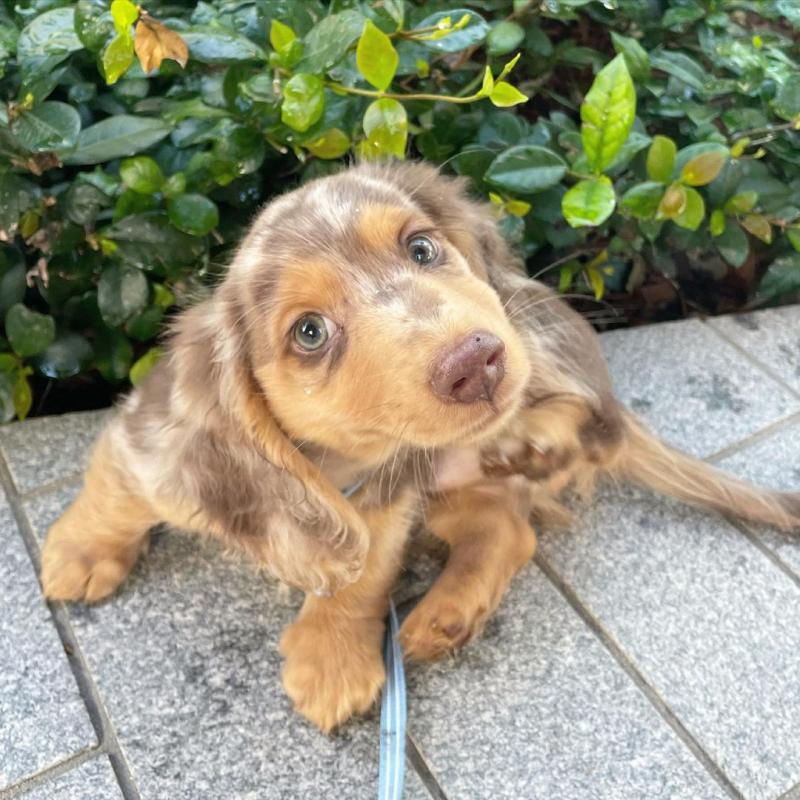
(378, 226)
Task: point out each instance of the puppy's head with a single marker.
(369, 318)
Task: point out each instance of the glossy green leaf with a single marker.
(758, 225)
(124, 13)
(741, 203)
(733, 245)
(28, 332)
(717, 222)
(221, 47)
(526, 169)
(687, 154)
(193, 213)
(303, 101)
(328, 41)
(113, 355)
(396, 10)
(793, 234)
(333, 143)
(673, 203)
(145, 325)
(117, 57)
(589, 202)
(635, 55)
(93, 24)
(21, 395)
(661, 159)
(642, 200)
(281, 36)
(66, 356)
(702, 169)
(376, 57)
(455, 34)
(48, 38)
(781, 279)
(607, 114)
(83, 203)
(787, 101)
(142, 174)
(7, 409)
(504, 37)
(49, 126)
(121, 293)
(143, 366)
(504, 95)
(175, 184)
(693, 212)
(115, 137)
(386, 126)
(12, 287)
(680, 66)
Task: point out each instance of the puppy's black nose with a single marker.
(471, 369)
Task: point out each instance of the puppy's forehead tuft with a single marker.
(378, 225)
(323, 216)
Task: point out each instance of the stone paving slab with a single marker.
(711, 623)
(186, 659)
(91, 780)
(42, 717)
(537, 709)
(692, 387)
(773, 462)
(771, 337)
(49, 448)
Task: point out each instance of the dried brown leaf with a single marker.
(154, 42)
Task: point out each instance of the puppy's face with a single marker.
(370, 328)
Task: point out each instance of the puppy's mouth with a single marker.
(494, 415)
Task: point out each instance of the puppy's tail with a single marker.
(645, 460)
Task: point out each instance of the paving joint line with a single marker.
(650, 693)
(73, 479)
(98, 715)
(423, 770)
(45, 775)
(754, 438)
(767, 370)
(791, 794)
(754, 539)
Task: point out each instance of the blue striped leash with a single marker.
(393, 703)
(393, 715)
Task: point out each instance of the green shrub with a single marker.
(659, 144)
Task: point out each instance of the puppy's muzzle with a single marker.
(470, 370)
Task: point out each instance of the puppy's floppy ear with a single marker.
(316, 538)
(250, 482)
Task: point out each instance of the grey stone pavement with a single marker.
(652, 651)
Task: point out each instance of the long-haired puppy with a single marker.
(374, 359)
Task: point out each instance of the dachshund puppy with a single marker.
(374, 359)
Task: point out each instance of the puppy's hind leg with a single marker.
(92, 547)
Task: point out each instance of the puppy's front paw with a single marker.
(77, 567)
(333, 669)
(441, 623)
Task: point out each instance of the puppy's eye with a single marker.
(311, 332)
(422, 250)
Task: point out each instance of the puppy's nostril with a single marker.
(470, 370)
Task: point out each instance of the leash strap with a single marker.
(393, 716)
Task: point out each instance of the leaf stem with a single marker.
(445, 98)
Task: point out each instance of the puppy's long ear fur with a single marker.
(238, 470)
